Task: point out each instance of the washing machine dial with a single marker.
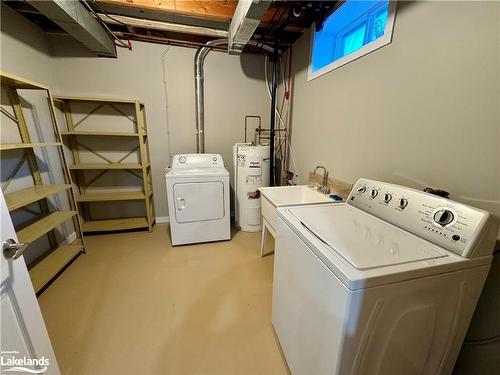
(374, 193)
(403, 202)
(182, 159)
(443, 217)
(361, 189)
(387, 197)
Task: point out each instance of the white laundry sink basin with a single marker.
(293, 195)
(279, 196)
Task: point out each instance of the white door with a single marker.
(25, 344)
(199, 201)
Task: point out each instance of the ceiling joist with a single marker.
(213, 9)
(165, 26)
(190, 23)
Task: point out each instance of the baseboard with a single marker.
(162, 219)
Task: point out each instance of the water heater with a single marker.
(251, 172)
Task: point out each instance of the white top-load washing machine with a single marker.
(384, 284)
(198, 199)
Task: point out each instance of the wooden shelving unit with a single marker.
(74, 137)
(43, 272)
(47, 220)
(99, 134)
(104, 197)
(20, 146)
(115, 224)
(87, 166)
(44, 225)
(24, 197)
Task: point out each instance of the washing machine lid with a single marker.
(197, 172)
(363, 240)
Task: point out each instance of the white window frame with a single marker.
(366, 49)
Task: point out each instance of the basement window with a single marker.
(350, 32)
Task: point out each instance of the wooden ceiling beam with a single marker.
(165, 26)
(211, 9)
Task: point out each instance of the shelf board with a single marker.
(106, 166)
(18, 146)
(49, 266)
(32, 194)
(115, 224)
(44, 225)
(20, 83)
(112, 134)
(116, 196)
(94, 99)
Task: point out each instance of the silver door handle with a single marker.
(12, 249)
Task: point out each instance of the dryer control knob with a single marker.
(387, 197)
(374, 193)
(443, 217)
(361, 189)
(182, 159)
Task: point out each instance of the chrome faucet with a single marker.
(324, 184)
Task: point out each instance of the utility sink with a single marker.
(274, 197)
(293, 195)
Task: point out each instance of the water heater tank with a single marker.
(251, 172)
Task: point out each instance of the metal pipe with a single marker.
(199, 75)
(199, 88)
(246, 124)
(265, 47)
(273, 115)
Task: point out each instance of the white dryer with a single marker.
(384, 284)
(198, 199)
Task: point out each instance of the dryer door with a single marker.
(198, 201)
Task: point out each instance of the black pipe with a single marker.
(273, 114)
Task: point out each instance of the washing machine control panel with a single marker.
(452, 225)
(191, 161)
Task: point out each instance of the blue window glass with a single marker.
(353, 40)
(379, 24)
(352, 26)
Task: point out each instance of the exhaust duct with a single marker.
(199, 77)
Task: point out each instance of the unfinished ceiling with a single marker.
(191, 23)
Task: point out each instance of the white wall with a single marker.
(234, 87)
(422, 111)
(25, 49)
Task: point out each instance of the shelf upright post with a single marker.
(75, 151)
(145, 161)
(67, 174)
